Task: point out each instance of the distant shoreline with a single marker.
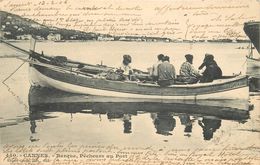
(189, 42)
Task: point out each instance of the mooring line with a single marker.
(17, 98)
(13, 73)
(9, 89)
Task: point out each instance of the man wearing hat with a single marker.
(212, 70)
(188, 73)
(207, 56)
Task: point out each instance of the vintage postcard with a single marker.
(156, 82)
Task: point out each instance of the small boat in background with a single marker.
(252, 30)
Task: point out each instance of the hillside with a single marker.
(13, 25)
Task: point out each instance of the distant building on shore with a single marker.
(39, 37)
(103, 38)
(122, 39)
(54, 37)
(24, 37)
(74, 37)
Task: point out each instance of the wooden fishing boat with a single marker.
(67, 75)
(65, 78)
(252, 30)
(234, 88)
(63, 74)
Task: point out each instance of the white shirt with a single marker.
(126, 69)
(155, 68)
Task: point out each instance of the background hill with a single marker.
(13, 25)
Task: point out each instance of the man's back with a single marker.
(187, 70)
(166, 71)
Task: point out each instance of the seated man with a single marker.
(154, 71)
(166, 72)
(188, 73)
(126, 67)
(212, 70)
(123, 72)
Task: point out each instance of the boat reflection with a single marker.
(187, 122)
(164, 123)
(209, 126)
(163, 115)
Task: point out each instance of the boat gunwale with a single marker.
(207, 84)
(215, 82)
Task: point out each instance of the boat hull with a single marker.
(74, 83)
(252, 30)
(253, 70)
(253, 67)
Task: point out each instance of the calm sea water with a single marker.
(121, 124)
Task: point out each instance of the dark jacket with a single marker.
(211, 72)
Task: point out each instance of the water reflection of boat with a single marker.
(54, 100)
(208, 115)
(164, 122)
(209, 127)
(252, 30)
(43, 101)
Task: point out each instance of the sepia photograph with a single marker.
(117, 82)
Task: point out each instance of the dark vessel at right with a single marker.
(252, 30)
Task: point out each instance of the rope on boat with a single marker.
(9, 89)
(17, 98)
(15, 47)
(13, 73)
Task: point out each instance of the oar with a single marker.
(56, 67)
